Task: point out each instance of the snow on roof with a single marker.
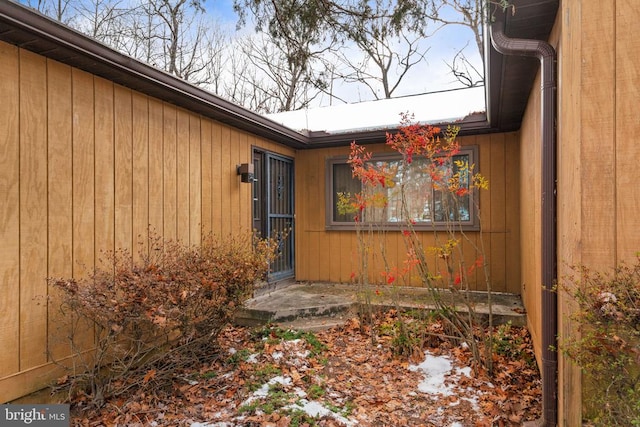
(429, 108)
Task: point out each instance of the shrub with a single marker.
(163, 312)
(444, 268)
(608, 346)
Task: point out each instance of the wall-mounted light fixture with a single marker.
(245, 171)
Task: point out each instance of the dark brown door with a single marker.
(273, 208)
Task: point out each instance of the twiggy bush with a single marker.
(161, 313)
(608, 345)
(430, 183)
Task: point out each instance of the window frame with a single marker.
(330, 198)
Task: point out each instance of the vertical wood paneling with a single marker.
(170, 155)
(60, 196)
(335, 248)
(183, 176)
(244, 156)
(233, 180)
(598, 128)
(104, 166)
(317, 247)
(195, 180)
(530, 187)
(512, 214)
(140, 181)
(216, 178)
(156, 167)
(627, 84)
(497, 219)
(487, 202)
(83, 172)
(302, 251)
(123, 168)
(227, 186)
(86, 166)
(569, 195)
(33, 210)
(9, 210)
(83, 183)
(207, 180)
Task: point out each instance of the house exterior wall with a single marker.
(598, 224)
(330, 255)
(85, 166)
(598, 150)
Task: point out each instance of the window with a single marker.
(426, 204)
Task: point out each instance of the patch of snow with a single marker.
(315, 409)
(466, 371)
(435, 369)
(253, 358)
(434, 107)
(277, 355)
(264, 390)
(312, 408)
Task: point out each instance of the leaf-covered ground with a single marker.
(338, 377)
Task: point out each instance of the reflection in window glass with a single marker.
(425, 201)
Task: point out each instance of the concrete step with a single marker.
(252, 316)
(322, 305)
(314, 324)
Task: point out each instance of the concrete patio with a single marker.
(315, 306)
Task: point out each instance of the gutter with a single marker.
(547, 56)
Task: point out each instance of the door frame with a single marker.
(262, 195)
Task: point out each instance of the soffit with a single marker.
(510, 78)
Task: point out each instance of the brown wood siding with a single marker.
(9, 212)
(627, 128)
(86, 166)
(598, 225)
(530, 208)
(60, 196)
(569, 217)
(330, 255)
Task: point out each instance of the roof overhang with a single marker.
(509, 79)
(30, 30)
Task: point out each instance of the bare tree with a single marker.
(294, 39)
(266, 78)
(172, 35)
(242, 83)
(468, 13)
(388, 32)
(464, 71)
(60, 10)
(181, 34)
(103, 20)
(387, 52)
